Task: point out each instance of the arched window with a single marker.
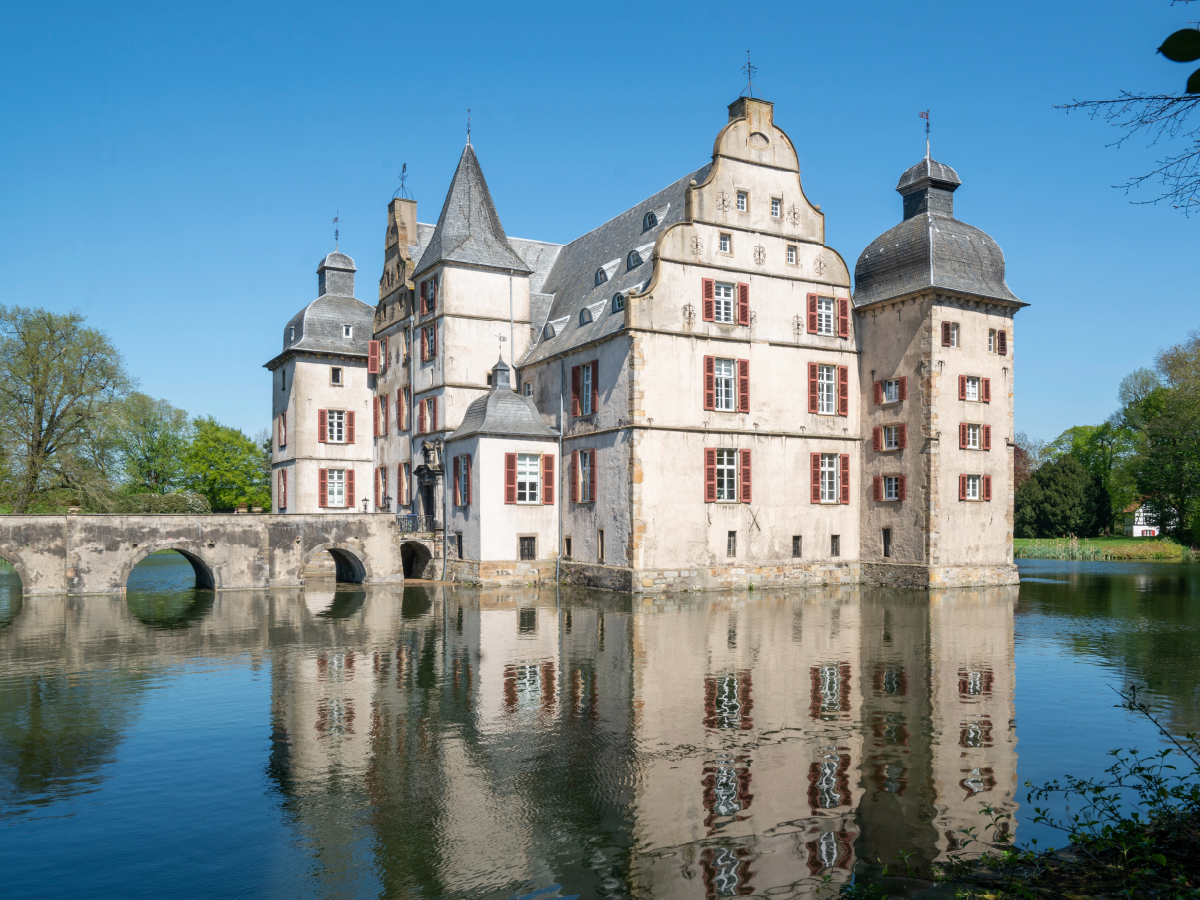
(649, 222)
(292, 333)
(548, 331)
(635, 259)
(601, 276)
(585, 316)
(618, 302)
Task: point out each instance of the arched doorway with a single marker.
(417, 560)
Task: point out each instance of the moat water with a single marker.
(447, 742)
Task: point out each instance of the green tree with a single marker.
(225, 466)
(1058, 500)
(151, 437)
(1168, 473)
(57, 377)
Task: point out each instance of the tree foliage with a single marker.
(151, 437)
(226, 467)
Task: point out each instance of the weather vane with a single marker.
(402, 191)
(335, 228)
(925, 115)
(749, 69)
(468, 124)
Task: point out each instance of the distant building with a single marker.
(1136, 523)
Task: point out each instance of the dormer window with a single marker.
(548, 332)
(618, 302)
(347, 331)
(601, 276)
(634, 260)
(585, 316)
(649, 222)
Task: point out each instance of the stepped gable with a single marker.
(930, 249)
(502, 412)
(572, 279)
(469, 230)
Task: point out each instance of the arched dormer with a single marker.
(633, 260)
(601, 276)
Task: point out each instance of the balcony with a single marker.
(410, 524)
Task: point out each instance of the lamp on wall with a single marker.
(364, 504)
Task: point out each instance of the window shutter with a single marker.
(878, 392)
(573, 477)
(595, 386)
(843, 373)
(349, 487)
(399, 410)
(843, 317)
(902, 437)
(322, 488)
(877, 488)
(373, 357)
(574, 390)
(510, 478)
(987, 487)
(876, 443)
(710, 475)
(987, 437)
(433, 414)
(812, 388)
(708, 294)
(424, 296)
(746, 480)
(421, 338)
(375, 418)
(945, 334)
(1002, 342)
(321, 432)
(377, 474)
(962, 435)
(457, 473)
(743, 386)
(421, 417)
(812, 313)
(962, 487)
(985, 389)
(901, 492)
(962, 387)
(815, 459)
(845, 479)
(349, 426)
(903, 387)
(710, 382)
(743, 304)
(591, 475)
(547, 478)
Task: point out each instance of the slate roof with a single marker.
(931, 249)
(337, 260)
(469, 229)
(318, 327)
(571, 279)
(502, 412)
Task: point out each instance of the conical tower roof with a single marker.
(469, 230)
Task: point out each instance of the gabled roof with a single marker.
(469, 230)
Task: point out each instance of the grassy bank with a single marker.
(1101, 548)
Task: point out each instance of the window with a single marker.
(335, 375)
(991, 340)
(891, 488)
(887, 542)
(292, 333)
(335, 487)
(382, 498)
(600, 545)
(528, 478)
(634, 260)
(824, 315)
(529, 389)
(827, 390)
(585, 390)
(347, 331)
(430, 342)
(458, 544)
(723, 383)
(731, 544)
(791, 254)
(891, 391)
(723, 303)
(618, 302)
(797, 546)
(567, 547)
(972, 491)
(528, 547)
(972, 383)
(891, 437)
(953, 334)
(725, 242)
(430, 415)
(585, 316)
(283, 379)
(649, 221)
(835, 545)
(601, 277)
(829, 478)
(405, 481)
(586, 464)
(727, 475)
(972, 435)
(335, 420)
(776, 207)
(282, 430)
(743, 201)
(464, 480)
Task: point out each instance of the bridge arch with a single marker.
(351, 567)
(207, 578)
(14, 560)
(416, 557)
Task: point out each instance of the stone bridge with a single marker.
(85, 554)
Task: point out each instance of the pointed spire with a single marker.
(469, 229)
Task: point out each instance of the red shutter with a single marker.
(877, 488)
(1002, 342)
(987, 437)
(962, 487)
(746, 480)
(377, 473)
(843, 317)
(349, 487)
(457, 473)
(574, 476)
(743, 304)
(322, 488)
(963, 432)
(845, 478)
(987, 487)
(876, 441)
(421, 417)
(510, 478)
(547, 479)
(843, 373)
(878, 392)
(424, 295)
(591, 475)
(283, 488)
(901, 487)
(815, 458)
(813, 404)
(399, 410)
(903, 387)
(985, 388)
(373, 357)
(945, 334)
(902, 437)
(710, 385)
(421, 338)
(595, 364)
(574, 390)
(467, 472)
(962, 387)
(349, 426)
(710, 475)
(743, 400)
(322, 434)
(812, 313)
(375, 418)
(708, 293)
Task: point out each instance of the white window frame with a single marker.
(891, 391)
(430, 345)
(743, 201)
(974, 487)
(529, 389)
(826, 390)
(335, 487)
(529, 483)
(776, 207)
(891, 437)
(830, 465)
(585, 390)
(723, 303)
(585, 477)
(891, 487)
(973, 384)
(826, 314)
(727, 462)
(725, 385)
(791, 254)
(974, 436)
(464, 479)
(335, 426)
(347, 331)
(725, 242)
(953, 334)
(991, 340)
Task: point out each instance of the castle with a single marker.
(693, 398)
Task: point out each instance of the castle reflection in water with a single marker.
(458, 743)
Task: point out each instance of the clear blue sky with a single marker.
(172, 169)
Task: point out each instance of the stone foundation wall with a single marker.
(722, 578)
(607, 578)
(504, 572)
(929, 577)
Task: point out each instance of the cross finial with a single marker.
(749, 68)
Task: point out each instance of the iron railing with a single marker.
(410, 524)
